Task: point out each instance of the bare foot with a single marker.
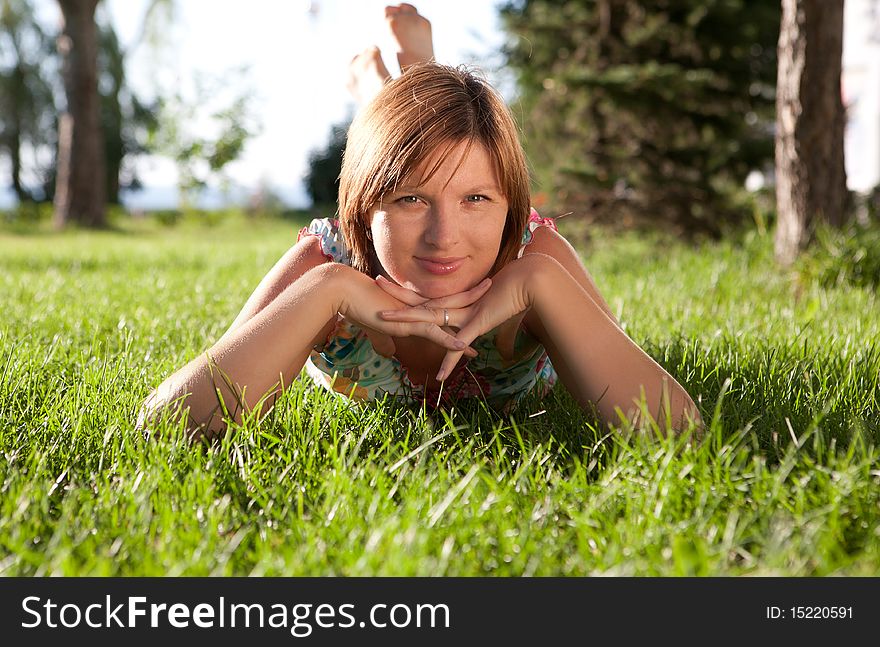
(366, 75)
(412, 32)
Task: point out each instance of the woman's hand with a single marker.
(408, 297)
(459, 300)
(362, 299)
(508, 295)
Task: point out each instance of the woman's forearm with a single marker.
(299, 259)
(255, 360)
(598, 362)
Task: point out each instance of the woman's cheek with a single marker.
(391, 262)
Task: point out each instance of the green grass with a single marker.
(784, 367)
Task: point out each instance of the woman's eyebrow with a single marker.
(480, 188)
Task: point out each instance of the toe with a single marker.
(373, 53)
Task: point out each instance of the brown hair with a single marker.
(427, 109)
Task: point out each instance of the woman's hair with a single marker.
(430, 108)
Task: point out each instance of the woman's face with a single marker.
(442, 236)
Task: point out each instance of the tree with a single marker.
(28, 109)
(810, 173)
(645, 111)
(80, 191)
(204, 133)
(27, 103)
(178, 127)
(325, 165)
(126, 120)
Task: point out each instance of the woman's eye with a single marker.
(408, 199)
(477, 198)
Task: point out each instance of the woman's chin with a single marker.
(437, 289)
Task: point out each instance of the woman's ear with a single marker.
(368, 220)
(368, 225)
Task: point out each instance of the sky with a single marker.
(297, 54)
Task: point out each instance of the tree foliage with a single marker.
(27, 101)
(637, 111)
(126, 118)
(205, 132)
(325, 164)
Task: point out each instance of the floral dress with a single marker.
(348, 365)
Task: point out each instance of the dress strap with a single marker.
(535, 221)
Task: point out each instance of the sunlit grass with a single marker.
(784, 369)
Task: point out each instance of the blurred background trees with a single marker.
(27, 101)
(200, 157)
(127, 120)
(636, 111)
(325, 164)
(71, 125)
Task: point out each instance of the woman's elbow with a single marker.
(167, 406)
(157, 410)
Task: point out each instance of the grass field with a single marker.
(784, 369)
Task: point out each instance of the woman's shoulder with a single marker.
(327, 231)
(534, 223)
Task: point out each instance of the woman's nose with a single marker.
(443, 227)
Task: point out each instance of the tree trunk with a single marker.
(810, 173)
(80, 192)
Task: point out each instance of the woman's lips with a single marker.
(440, 265)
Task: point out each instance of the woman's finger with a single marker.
(408, 297)
(470, 330)
(384, 344)
(438, 316)
(462, 299)
(449, 361)
(437, 335)
(425, 330)
(442, 317)
(459, 300)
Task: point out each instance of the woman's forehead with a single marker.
(453, 162)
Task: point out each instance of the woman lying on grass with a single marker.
(437, 282)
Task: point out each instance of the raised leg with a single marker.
(412, 33)
(367, 74)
